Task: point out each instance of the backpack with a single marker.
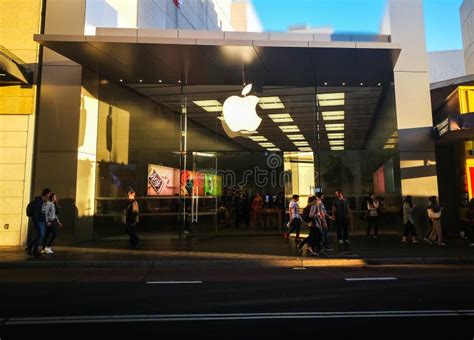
(306, 212)
(30, 208)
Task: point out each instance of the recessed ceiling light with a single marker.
(281, 118)
(337, 148)
(333, 115)
(289, 128)
(331, 99)
(392, 141)
(269, 103)
(334, 127)
(209, 105)
(295, 137)
(336, 142)
(267, 145)
(335, 136)
(305, 149)
(258, 138)
(274, 149)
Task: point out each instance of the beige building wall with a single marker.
(467, 26)
(244, 18)
(19, 19)
(67, 126)
(405, 22)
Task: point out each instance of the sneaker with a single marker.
(427, 240)
(340, 242)
(368, 237)
(441, 244)
(43, 251)
(471, 245)
(415, 241)
(376, 237)
(347, 242)
(49, 250)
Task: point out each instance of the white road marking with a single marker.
(173, 282)
(232, 317)
(371, 279)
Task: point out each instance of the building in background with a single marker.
(444, 65)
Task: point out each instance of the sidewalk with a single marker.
(242, 251)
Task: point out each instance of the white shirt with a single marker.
(294, 209)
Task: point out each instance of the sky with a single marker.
(442, 22)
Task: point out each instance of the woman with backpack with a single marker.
(408, 220)
(311, 218)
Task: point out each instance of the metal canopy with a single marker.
(12, 71)
(221, 61)
(153, 64)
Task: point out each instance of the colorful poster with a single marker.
(192, 183)
(213, 185)
(162, 181)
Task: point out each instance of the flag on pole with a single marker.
(178, 3)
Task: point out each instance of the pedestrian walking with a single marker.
(373, 216)
(434, 214)
(131, 218)
(311, 219)
(341, 213)
(295, 219)
(34, 211)
(257, 209)
(50, 210)
(408, 220)
(470, 221)
(325, 221)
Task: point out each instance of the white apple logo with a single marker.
(240, 112)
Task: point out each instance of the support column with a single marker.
(67, 127)
(405, 23)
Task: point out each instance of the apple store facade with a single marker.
(199, 123)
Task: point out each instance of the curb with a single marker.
(240, 263)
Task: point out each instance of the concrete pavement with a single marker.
(241, 251)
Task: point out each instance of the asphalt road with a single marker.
(380, 302)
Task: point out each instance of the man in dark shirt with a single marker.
(39, 223)
(341, 213)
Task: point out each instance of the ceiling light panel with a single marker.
(333, 115)
(289, 128)
(337, 148)
(274, 149)
(331, 99)
(281, 118)
(334, 127)
(209, 105)
(305, 149)
(336, 142)
(335, 136)
(301, 143)
(295, 137)
(258, 138)
(267, 145)
(269, 103)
